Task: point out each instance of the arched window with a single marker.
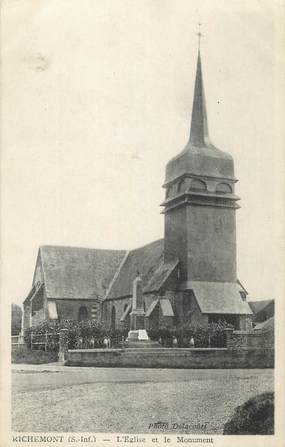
(113, 318)
(168, 192)
(125, 307)
(82, 313)
(198, 185)
(224, 188)
(181, 186)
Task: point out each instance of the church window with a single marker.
(198, 185)
(224, 188)
(82, 313)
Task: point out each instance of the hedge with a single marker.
(81, 334)
(90, 334)
(211, 336)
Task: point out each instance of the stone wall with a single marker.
(119, 306)
(204, 358)
(69, 309)
(177, 300)
(249, 339)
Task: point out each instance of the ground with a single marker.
(128, 400)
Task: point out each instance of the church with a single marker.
(189, 277)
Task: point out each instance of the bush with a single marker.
(254, 417)
(91, 334)
(81, 334)
(39, 335)
(211, 336)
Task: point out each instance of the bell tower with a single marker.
(200, 203)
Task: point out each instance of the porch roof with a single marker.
(218, 297)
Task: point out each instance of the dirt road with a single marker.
(129, 400)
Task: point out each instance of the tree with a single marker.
(16, 319)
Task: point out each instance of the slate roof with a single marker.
(266, 325)
(257, 306)
(148, 260)
(219, 297)
(78, 273)
(200, 156)
(151, 308)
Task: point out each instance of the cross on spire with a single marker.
(199, 34)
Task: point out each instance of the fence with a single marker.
(44, 341)
(17, 340)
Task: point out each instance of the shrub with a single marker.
(81, 334)
(254, 417)
(216, 333)
(211, 336)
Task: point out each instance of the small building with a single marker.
(262, 310)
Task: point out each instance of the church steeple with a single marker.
(200, 157)
(200, 202)
(199, 135)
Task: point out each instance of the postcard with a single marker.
(142, 223)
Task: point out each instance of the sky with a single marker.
(97, 97)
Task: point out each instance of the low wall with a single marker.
(198, 358)
(249, 339)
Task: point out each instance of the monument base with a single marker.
(138, 339)
(137, 335)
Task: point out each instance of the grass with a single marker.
(25, 355)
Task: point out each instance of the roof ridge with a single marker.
(81, 248)
(171, 266)
(146, 245)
